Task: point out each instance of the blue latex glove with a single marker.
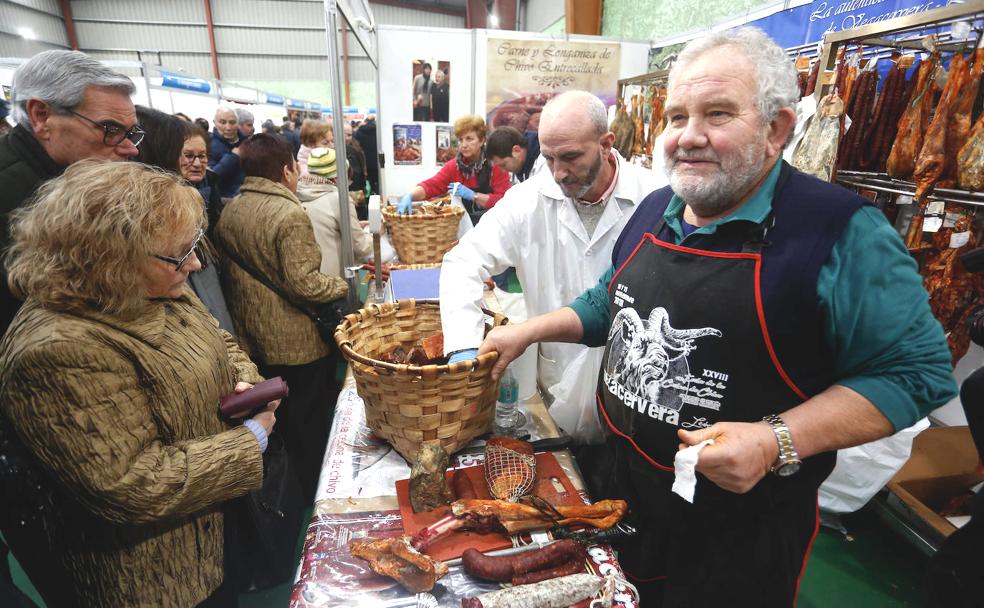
(463, 355)
(405, 206)
(466, 193)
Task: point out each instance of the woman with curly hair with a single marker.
(478, 182)
(118, 463)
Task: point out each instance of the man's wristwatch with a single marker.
(789, 461)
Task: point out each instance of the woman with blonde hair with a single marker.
(314, 134)
(478, 182)
(118, 463)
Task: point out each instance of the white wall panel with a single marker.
(94, 35)
(48, 6)
(272, 67)
(47, 28)
(192, 11)
(15, 46)
(541, 14)
(267, 12)
(270, 42)
(394, 15)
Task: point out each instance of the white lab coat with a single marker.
(536, 229)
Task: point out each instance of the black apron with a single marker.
(688, 347)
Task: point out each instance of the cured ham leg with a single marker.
(484, 516)
(932, 158)
(396, 558)
(902, 159)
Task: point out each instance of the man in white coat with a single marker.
(557, 229)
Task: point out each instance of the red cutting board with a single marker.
(549, 475)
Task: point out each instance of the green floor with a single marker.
(874, 568)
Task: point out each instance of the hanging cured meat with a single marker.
(953, 292)
(817, 151)
(639, 137)
(970, 159)
(859, 108)
(932, 158)
(902, 159)
(958, 128)
(624, 130)
(891, 103)
(811, 83)
(655, 118)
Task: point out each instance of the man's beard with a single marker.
(714, 194)
(582, 185)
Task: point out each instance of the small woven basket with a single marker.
(410, 404)
(423, 238)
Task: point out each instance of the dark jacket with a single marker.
(226, 165)
(293, 139)
(24, 166)
(366, 136)
(532, 153)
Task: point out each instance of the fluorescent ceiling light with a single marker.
(27, 33)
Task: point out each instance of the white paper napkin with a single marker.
(685, 480)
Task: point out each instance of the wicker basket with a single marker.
(410, 404)
(421, 238)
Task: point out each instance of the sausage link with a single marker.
(503, 568)
(571, 567)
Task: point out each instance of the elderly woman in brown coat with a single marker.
(110, 376)
(266, 239)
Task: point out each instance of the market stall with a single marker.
(896, 103)
(357, 498)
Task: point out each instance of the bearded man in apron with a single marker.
(754, 305)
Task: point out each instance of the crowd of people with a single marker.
(136, 294)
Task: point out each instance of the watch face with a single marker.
(787, 468)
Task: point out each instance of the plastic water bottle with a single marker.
(508, 419)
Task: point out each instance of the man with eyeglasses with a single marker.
(68, 107)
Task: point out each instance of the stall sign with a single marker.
(524, 74)
(276, 100)
(295, 103)
(186, 83)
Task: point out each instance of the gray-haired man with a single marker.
(68, 107)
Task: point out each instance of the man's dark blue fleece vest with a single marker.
(809, 216)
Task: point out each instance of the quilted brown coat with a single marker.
(266, 227)
(122, 419)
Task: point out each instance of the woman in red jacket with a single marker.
(480, 184)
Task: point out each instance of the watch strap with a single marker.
(787, 453)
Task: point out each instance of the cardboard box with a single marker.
(944, 464)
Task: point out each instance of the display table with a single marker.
(357, 497)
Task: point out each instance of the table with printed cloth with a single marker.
(357, 498)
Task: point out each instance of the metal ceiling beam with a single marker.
(211, 39)
(66, 9)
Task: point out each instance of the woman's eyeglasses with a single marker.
(191, 158)
(113, 132)
(180, 262)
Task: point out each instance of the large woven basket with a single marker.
(410, 404)
(422, 238)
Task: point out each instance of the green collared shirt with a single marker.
(886, 343)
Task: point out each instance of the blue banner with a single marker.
(312, 106)
(177, 81)
(808, 23)
(295, 103)
(276, 100)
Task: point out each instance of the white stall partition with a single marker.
(467, 52)
(398, 48)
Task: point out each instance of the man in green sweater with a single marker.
(752, 305)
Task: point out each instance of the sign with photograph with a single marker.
(431, 90)
(524, 74)
(447, 144)
(406, 144)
